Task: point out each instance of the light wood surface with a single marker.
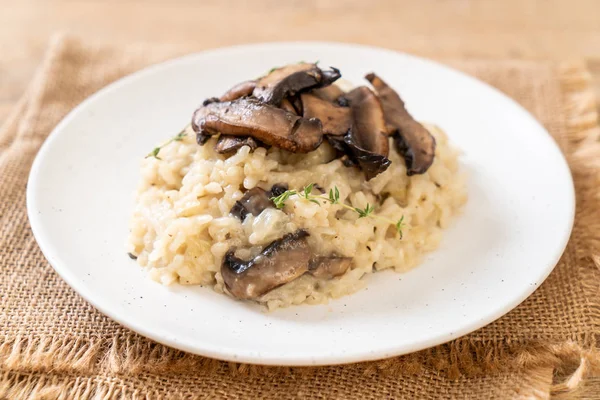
(544, 29)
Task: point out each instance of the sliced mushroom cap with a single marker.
(268, 124)
(228, 144)
(329, 267)
(287, 105)
(291, 79)
(297, 103)
(278, 189)
(240, 90)
(256, 200)
(280, 262)
(413, 141)
(366, 145)
(336, 120)
(253, 202)
(202, 138)
(372, 164)
(330, 93)
(369, 131)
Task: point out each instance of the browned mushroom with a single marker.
(256, 200)
(297, 103)
(366, 145)
(352, 155)
(202, 138)
(280, 262)
(413, 141)
(369, 130)
(330, 93)
(329, 267)
(268, 124)
(291, 79)
(229, 144)
(240, 90)
(336, 120)
(287, 105)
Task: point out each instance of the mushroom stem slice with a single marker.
(291, 79)
(329, 267)
(280, 262)
(268, 124)
(413, 141)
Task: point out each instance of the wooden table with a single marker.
(548, 29)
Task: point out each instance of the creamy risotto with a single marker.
(195, 222)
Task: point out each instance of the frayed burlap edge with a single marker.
(71, 369)
(32, 365)
(583, 155)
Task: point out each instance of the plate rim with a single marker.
(221, 353)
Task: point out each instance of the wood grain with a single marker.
(532, 29)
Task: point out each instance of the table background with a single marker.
(530, 29)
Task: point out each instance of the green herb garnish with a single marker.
(400, 225)
(308, 190)
(154, 153)
(280, 200)
(366, 212)
(334, 195)
(334, 198)
(177, 138)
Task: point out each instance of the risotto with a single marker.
(260, 222)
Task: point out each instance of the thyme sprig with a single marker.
(333, 197)
(177, 138)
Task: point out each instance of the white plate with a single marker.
(511, 235)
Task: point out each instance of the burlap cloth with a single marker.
(55, 345)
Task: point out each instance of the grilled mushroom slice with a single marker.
(240, 90)
(353, 155)
(278, 189)
(280, 262)
(229, 144)
(287, 105)
(268, 124)
(366, 145)
(291, 79)
(329, 267)
(202, 138)
(256, 200)
(336, 120)
(329, 93)
(371, 163)
(296, 103)
(412, 140)
(370, 131)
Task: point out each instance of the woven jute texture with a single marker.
(55, 345)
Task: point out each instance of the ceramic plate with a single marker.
(512, 232)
